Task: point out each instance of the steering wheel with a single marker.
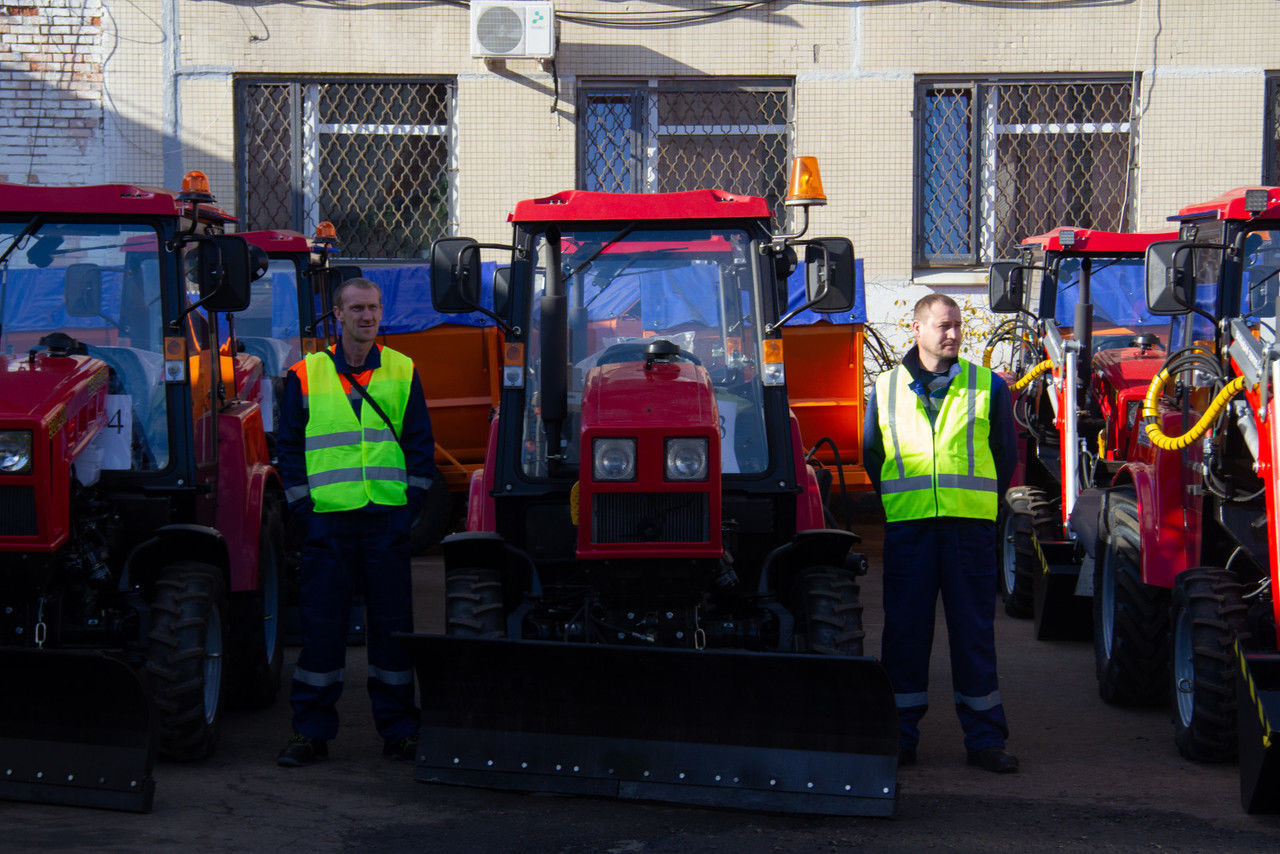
(652, 349)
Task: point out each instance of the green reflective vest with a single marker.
(351, 462)
(940, 469)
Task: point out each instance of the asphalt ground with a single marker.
(1093, 778)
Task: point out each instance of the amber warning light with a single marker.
(195, 187)
(805, 186)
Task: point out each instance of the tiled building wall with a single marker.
(855, 69)
(51, 91)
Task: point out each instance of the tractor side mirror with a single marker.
(455, 275)
(1170, 277)
(501, 290)
(224, 269)
(829, 277)
(1005, 287)
(82, 291)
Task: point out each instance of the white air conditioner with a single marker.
(513, 28)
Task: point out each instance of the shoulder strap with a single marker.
(365, 394)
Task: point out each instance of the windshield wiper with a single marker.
(594, 255)
(26, 232)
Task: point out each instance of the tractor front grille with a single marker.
(18, 511)
(649, 517)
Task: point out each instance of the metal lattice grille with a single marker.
(668, 138)
(373, 158)
(1271, 145)
(1003, 161)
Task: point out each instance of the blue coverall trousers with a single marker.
(366, 549)
(957, 558)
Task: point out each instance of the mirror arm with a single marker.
(521, 252)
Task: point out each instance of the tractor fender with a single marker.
(1166, 534)
(809, 501)
(170, 543)
(818, 547)
(481, 515)
(244, 474)
(488, 550)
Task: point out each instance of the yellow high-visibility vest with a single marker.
(941, 469)
(353, 462)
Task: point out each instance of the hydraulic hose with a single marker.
(1032, 374)
(1177, 443)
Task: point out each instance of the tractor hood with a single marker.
(39, 389)
(677, 395)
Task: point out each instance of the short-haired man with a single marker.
(939, 445)
(356, 456)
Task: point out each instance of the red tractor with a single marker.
(1196, 524)
(140, 535)
(646, 602)
(1078, 294)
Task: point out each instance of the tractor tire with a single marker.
(473, 603)
(434, 518)
(829, 619)
(1031, 514)
(1207, 615)
(184, 669)
(1130, 619)
(256, 653)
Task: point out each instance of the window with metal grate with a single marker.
(1001, 160)
(667, 136)
(371, 156)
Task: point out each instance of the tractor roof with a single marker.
(277, 240)
(587, 206)
(100, 199)
(1090, 241)
(1230, 205)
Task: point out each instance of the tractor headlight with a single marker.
(686, 459)
(15, 451)
(613, 459)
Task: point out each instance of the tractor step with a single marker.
(1258, 715)
(1062, 593)
(757, 731)
(76, 728)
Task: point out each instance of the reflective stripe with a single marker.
(966, 481)
(911, 701)
(972, 399)
(893, 423)
(907, 484)
(391, 677)
(296, 493)
(374, 435)
(385, 473)
(332, 440)
(328, 478)
(318, 680)
(979, 704)
(420, 482)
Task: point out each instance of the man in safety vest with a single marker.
(939, 445)
(356, 456)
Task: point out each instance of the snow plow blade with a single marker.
(76, 728)
(756, 731)
(1062, 594)
(1258, 714)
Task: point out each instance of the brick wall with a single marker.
(51, 91)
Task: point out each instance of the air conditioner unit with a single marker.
(513, 28)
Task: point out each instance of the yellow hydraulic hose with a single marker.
(1032, 374)
(1177, 443)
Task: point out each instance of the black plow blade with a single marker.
(756, 731)
(1258, 713)
(76, 729)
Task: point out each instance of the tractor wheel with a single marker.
(1030, 514)
(829, 619)
(473, 603)
(1208, 615)
(434, 518)
(1130, 619)
(184, 658)
(256, 652)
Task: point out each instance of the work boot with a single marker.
(995, 760)
(401, 748)
(302, 751)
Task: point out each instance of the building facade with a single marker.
(946, 131)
